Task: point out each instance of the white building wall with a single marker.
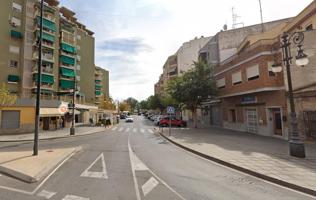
(189, 52)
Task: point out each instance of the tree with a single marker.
(5, 97)
(124, 106)
(143, 105)
(154, 102)
(108, 104)
(132, 103)
(193, 86)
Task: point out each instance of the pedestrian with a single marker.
(61, 123)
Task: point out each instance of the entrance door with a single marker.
(215, 115)
(277, 122)
(252, 120)
(45, 123)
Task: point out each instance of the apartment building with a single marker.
(67, 60)
(101, 84)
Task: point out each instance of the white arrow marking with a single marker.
(102, 174)
(73, 197)
(46, 194)
(114, 128)
(149, 185)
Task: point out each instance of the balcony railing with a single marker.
(45, 56)
(43, 86)
(47, 70)
(46, 15)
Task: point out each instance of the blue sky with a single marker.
(134, 37)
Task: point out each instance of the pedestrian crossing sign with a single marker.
(170, 110)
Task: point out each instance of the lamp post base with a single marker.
(297, 149)
(72, 131)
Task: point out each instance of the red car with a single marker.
(174, 122)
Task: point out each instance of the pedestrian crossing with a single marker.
(134, 130)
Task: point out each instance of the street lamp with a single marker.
(296, 145)
(39, 81)
(72, 128)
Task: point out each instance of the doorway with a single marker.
(277, 122)
(252, 120)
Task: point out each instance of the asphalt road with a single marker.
(131, 161)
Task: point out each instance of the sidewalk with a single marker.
(79, 131)
(264, 157)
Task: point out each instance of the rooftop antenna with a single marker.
(262, 27)
(235, 17)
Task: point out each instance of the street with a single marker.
(131, 161)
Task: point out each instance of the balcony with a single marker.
(48, 16)
(68, 54)
(45, 56)
(43, 86)
(44, 70)
(47, 24)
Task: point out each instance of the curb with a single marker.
(244, 170)
(44, 173)
(52, 138)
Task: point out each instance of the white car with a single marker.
(129, 119)
(157, 119)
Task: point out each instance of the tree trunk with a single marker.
(195, 117)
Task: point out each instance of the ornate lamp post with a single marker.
(296, 145)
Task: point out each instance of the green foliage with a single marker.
(5, 97)
(193, 86)
(108, 104)
(143, 105)
(132, 103)
(154, 102)
(124, 106)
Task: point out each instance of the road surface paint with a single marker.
(46, 194)
(114, 128)
(120, 129)
(127, 129)
(149, 185)
(103, 174)
(150, 131)
(142, 130)
(73, 197)
(134, 130)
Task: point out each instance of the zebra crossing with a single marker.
(134, 129)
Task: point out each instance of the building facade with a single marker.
(67, 59)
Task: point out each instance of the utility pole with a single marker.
(72, 129)
(39, 81)
(262, 27)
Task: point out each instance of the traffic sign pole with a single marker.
(169, 124)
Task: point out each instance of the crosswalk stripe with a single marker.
(120, 129)
(73, 197)
(114, 128)
(150, 131)
(134, 130)
(46, 194)
(142, 130)
(127, 129)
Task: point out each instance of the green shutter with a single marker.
(65, 84)
(13, 78)
(47, 24)
(45, 78)
(97, 81)
(16, 34)
(67, 60)
(68, 48)
(43, 91)
(98, 87)
(98, 92)
(67, 72)
(47, 37)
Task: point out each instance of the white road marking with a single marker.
(142, 130)
(46, 194)
(150, 131)
(114, 128)
(131, 157)
(73, 197)
(127, 129)
(103, 174)
(120, 129)
(134, 130)
(149, 185)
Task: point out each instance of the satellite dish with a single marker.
(225, 27)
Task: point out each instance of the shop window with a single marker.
(13, 63)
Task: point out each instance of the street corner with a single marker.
(22, 165)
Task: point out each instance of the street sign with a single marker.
(63, 108)
(170, 110)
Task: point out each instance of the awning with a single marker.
(67, 60)
(86, 107)
(97, 81)
(67, 72)
(50, 112)
(16, 34)
(47, 37)
(13, 78)
(65, 84)
(47, 24)
(45, 78)
(68, 48)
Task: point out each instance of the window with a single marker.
(78, 78)
(16, 7)
(220, 83)
(14, 49)
(232, 115)
(15, 22)
(271, 73)
(78, 57)
(78, 67)
(309, 27)
(10, 119)
(13, 63)
(253, 72)
(236, 78)
(78, 37)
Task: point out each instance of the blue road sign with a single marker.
(170, 110)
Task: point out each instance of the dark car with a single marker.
(174, 122)
(122, 117)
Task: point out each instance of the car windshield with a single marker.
(157, 99)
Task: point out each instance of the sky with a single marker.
(133, 38)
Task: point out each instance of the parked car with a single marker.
(122, 116)
(157, 119)
(174, 122)
(129, 119)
